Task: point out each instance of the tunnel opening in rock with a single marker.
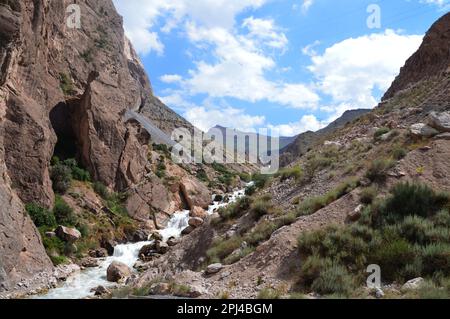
(61, 119)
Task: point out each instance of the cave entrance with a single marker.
(61, 119)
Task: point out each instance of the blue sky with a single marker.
(286, 65)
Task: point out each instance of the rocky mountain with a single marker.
(304, 142)
(64, 92)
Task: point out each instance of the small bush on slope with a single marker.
(41, 216)
(378, 170)
(405, 245)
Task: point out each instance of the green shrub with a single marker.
(66, 84)
(269, 294)
(442, 218)
(101, 190)
(393, 256)
(261, 207)
(380, 132)
(262, 232)
(430, 290)
(312, 268)
(87, 55)
(223, 248)
(245, 177)
(412, 199)
(378, 170)
(436, 257)
(61, 177)
(312, 205)
(233, 258)
(316, 163)
(80, 174)
(59, 260)
(415, 229)
(41, 216)
(293, 172)
(260, 180)
(368, 195)
(236, 209)
(201, 175)
(334, 279)
(399, 153)
(64, 213)
(250, 190)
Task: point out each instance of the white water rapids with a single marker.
(79, 285)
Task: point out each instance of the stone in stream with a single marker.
(147, 250)
(172, 241)
(161, 247)
(156, 236)
(98, 253)
(100, 291)
(187, 230)
(198, 212)
(89, 262)
(118, 272)
(139, 236)
(195, 222)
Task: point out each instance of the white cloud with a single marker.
(171, 78)
(205, 119)
(306, 123)
(141, 17)
(306, 5)
(351, 70)
(240, 66)
(440, 3)
(265, 31)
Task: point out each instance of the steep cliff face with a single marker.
(69, 88)
(431, 60)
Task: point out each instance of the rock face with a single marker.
(118, 272)
(63, 86)
(432, 58)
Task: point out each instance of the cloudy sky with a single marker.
(291, 65)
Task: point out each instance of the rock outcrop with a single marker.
(65, 89)
(432, 58)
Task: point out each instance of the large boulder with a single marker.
(195, 222)
(213, 269)
(440, 121)
(423, 130)
(198, 212)
(67, 234)
(413, 284)
(187, 230)
(195, 193)
(98, 253)
(89, 262)
(147, 250)
(161, 247)
(118, 272)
